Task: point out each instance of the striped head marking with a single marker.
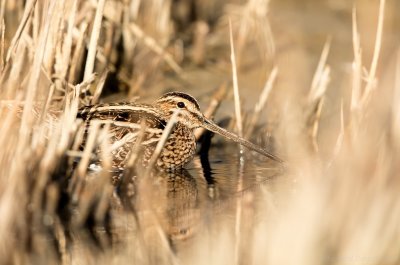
(190, 113)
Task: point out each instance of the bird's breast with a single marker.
(179, 148)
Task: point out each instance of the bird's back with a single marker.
(126, 121)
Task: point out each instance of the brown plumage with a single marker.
(181, 144)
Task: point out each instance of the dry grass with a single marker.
(338, 128)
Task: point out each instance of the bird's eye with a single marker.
(181, 105)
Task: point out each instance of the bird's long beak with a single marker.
(211, 126)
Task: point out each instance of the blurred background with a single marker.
(330, 74)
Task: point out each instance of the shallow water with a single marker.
(192, 203)
(212, 198)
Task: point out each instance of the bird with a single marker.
(128, 118)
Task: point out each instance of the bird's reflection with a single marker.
(174, 206)
(179, 202)
(170, 200)
(182, 212)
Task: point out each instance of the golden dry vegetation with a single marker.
(323, 75)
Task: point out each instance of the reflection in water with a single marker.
(168, 211)
(166, 200)
(175, 210)
(184, 203)
(182, 212)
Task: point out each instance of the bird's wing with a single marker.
(125, 119)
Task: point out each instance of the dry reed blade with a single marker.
(238, 113)
(238, 217)
(63, 58)
(340, 138)
(94, 37)
(78, 54)
(321, 76)
(161, 142)
(99, 88)
(55, 36)
(2, 44)
(136, 150)
(104, 176)
(26, 120)
(357, 65)
(316, 117)
(261, 102)
(2, 10)
(316, 95)
(371, 79)
(27, 13)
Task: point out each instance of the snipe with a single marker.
(181, 144)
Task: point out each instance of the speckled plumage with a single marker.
(181, 144)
